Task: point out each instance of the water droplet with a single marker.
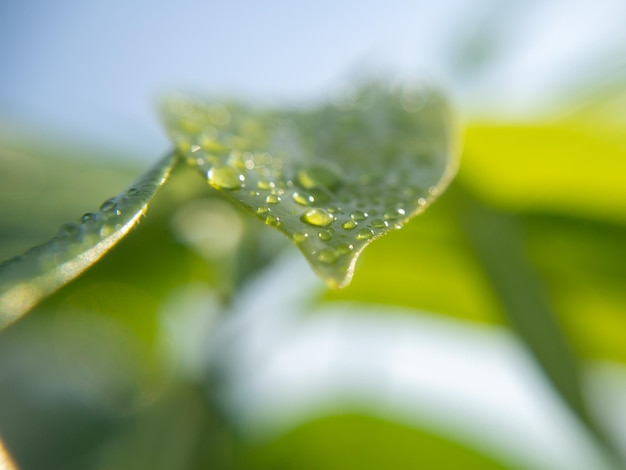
(317, 217)
(379, 223)
(303, 199)
(300, 237)
(272, 220)
(394, 213)
(262, 210)
(364, 234)
(88, 217)
(326, 256)
(264, 184)
(133, 192)
(325, 235)
(433, 190)
(225, 177)
(108, 206)
(272, 199)
(349, 225)
(358, 215)
(344, 248)
(317, 176)
(421, 201)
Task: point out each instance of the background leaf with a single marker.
(356, 441)
(25, 279)
(497, 240)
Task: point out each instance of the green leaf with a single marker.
(26, 279)
(332, 179)
(351, 441)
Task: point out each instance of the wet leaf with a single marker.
(332, 179)
(26, 279)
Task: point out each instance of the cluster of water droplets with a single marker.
(331, 180)
(74, 238)
(78, 237)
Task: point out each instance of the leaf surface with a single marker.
(332, 179)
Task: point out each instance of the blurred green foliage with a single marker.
(86, 378)
(355, 442)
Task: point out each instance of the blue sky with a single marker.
(93, 71)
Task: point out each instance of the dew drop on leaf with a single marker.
(394, 214)
(325, 235)
(317, 217)
(379, 223)
(302, 198)
(344, 248)
(88, 217)
(108, 206)
(272, 220)
(364, 234)
(264, 184)
(349, 225)
(225, 177)
(358, 215)
(299, 237)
